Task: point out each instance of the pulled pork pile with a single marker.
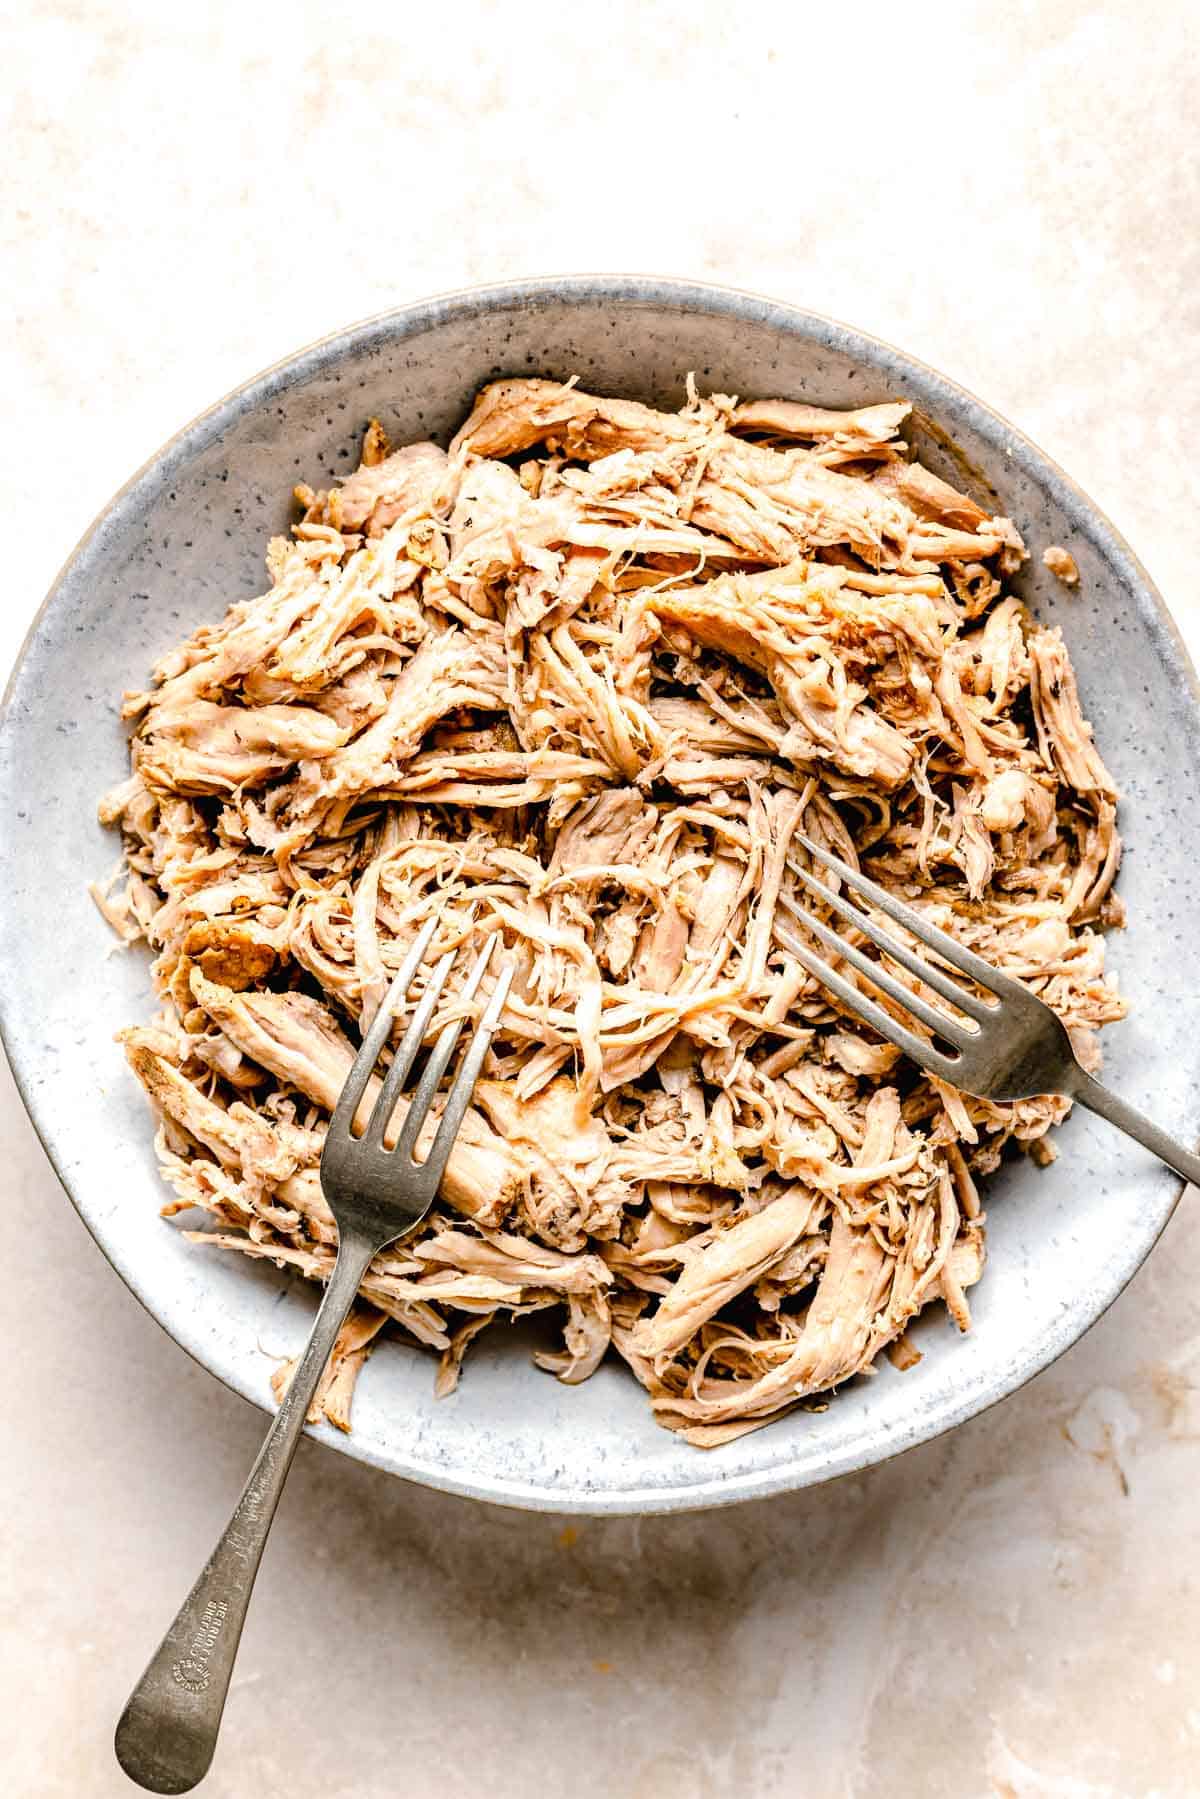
(579, 682)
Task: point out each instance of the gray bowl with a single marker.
(186, 537)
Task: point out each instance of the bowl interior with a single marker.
(187, 537)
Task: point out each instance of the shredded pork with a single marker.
(579, 682)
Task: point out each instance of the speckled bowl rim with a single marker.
(872, 352)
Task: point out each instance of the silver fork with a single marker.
(1009, 1047)
(168, 1730)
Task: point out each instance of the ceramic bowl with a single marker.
(186, 537)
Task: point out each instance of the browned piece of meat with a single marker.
(384, 490)
(1061, 563)
(929, 496)
(864, 429)
(510, 416)
(1064, 735)
(581, 682)
(231, 952)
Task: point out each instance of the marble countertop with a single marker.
(1010, 192)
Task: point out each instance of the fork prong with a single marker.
(406, 1053)
(459, 1097)
(376, 1037)
(952, 1029)
(918, 1051)
(948, 989)
(439, 1056)
(937, 940)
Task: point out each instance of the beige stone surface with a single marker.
(1010, 191)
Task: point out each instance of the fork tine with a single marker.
(376, 1037)
(950, 990)
(937, 940)
(406, 1053)
(952, 1029)
(439, 1056)
(459, 1098)
(917, 1050)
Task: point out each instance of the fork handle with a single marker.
(1135, 1124)
(168, 1730)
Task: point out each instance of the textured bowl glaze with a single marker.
(186, 537)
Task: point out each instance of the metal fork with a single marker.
(168, 1730)
(1011, 1046)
